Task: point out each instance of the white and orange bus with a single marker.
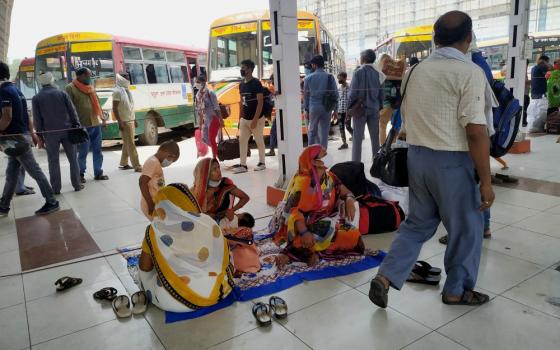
(248, 36)
(161, 75)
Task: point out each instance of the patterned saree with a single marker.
(315, 201)
(189, 252)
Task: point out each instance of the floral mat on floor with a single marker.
(269, 279)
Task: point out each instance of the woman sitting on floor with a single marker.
(216, 194)
(184, 264)
(310, 221)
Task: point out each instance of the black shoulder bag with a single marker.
(390, 165)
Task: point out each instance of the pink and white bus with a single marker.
(161, 74)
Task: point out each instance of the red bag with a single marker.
(378, 215)
(201, 147)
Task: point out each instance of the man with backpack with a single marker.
(365, 89)
(320, 98)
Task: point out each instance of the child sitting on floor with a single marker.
(244, 253)
(152, 180)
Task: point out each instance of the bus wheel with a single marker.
(150, 135)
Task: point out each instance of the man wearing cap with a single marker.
(317, 87)
(83, 95)
(54, 114)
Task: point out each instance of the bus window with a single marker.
(53, 63)
(136, 73)
(153, 55)
(157, 74)
(176, 57)
(132, 53)
(178, 74)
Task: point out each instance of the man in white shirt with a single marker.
(445, 125)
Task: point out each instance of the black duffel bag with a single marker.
(228, 149)
(78, 135)
(352, 175)
(389, 164)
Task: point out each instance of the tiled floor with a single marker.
(516, 270)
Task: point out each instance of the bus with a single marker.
(161, 76)
(248, 36)
(408, 42)
(417, 41)
(543, 43)
(25, 79)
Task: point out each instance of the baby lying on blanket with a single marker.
(239, 233)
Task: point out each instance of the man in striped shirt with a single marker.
(340, 112)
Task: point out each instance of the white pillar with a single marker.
(519, 48)
(285, 53)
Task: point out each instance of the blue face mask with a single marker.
(87, 81)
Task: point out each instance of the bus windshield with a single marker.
(54, 63)
(307, 42)
(229, 45)
(26, 83)
(420, 49)
(98, 57)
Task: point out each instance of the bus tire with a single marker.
(150, 135)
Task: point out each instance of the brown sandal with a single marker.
(469, 298)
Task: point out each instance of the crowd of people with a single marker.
(57, 115)
(446, 122)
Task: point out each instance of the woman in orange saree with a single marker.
(317, 209)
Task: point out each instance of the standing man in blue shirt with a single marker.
(14, 122)
(317, 88)
(538, 79)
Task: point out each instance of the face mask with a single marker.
(214, 184)
(198, 86)
(87, 81)
(166, 163)
(242, 72)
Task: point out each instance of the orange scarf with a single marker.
(89, 90)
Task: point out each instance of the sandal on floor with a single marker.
(279, 307)
(66, 282)
(139, 303)
(469, 298)
(378, 294)
(261, 311)
(507, 178)
(121, 306)
(125, 167)
(424, 266)
(107, 293)
(25, 192)
(416, 277)
(101, 177)
(443, 240)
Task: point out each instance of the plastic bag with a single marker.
(536, 114)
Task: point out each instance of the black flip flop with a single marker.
(66, 282)
(261, 311)
(469, 298)
(424, 266)
(107, 293)
(279, 307)
(428, 279)
(125, 167)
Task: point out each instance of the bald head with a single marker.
(453, 29)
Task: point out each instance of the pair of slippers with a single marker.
(424, 273)
(263, 312)
(66, 282)
(121, 303)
